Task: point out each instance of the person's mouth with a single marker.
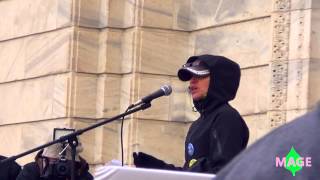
(193, 89)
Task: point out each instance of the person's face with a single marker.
(199, 87)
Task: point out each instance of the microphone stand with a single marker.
(72, 137)
(73, 144)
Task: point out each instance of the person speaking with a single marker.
(220, 133)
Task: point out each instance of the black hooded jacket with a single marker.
(220, 133)
(10, 170)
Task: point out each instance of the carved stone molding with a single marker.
(279, 85)
(277, 118)
(279, 62)
(281, 5)
(280, 41)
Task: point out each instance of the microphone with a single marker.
(165, 90)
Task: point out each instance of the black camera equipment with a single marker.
(61, 167)
(58, 170)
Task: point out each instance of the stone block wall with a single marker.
(72, 63)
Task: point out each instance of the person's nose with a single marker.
(193, 80)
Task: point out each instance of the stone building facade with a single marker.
(72, 63)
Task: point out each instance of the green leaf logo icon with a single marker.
(292, 159)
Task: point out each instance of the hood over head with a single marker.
(224, 78)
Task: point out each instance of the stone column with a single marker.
(279, 62)
(293, 65)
